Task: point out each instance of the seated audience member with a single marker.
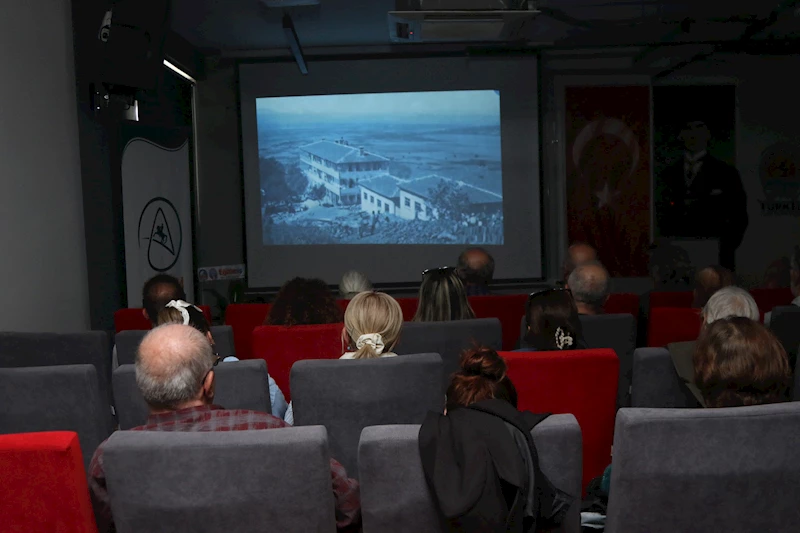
(577, 254)
(352, 283)
(372, 324)
(740, 362)
(794, 281)
(777, 275)
(708, 281)
(552, 322)
(175, 373)
(476, 268)
(180, 312)
(304, 301)
(471, 443)
(157, 292)
(725, 303)
(590, 285)
(442, 297)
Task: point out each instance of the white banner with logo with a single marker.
(156, 201)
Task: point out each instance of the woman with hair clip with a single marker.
(442, 297)
(180, 312)
(552, 322)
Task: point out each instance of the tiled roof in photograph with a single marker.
(337, 152)
(423, 187)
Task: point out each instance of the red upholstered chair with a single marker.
(623, 303)
(580, 382)
(243, 319)
(673, 324)
(509, 308)
(282, 346)
(44, 484)
(768, 299)
(671, 299)
(343, 303)
(409, 307)
(133, 318)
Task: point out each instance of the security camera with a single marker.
(105, 27)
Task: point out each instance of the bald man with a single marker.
(577, 254)
(175, 373)
(476, 269)
(590, 285)
(708, 281)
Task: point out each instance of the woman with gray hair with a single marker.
(353, 282)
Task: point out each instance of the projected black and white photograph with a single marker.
(386, 168)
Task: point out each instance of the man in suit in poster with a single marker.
(703, 197)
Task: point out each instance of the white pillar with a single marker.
(42, 244)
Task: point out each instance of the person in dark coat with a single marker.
(703, 197)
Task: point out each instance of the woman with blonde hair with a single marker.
(372, 324)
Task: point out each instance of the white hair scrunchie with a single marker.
(373, 339)
(182, 306)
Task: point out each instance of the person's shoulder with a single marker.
(251, 416)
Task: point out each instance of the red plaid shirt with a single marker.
(215, 418)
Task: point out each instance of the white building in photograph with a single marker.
(339, 167)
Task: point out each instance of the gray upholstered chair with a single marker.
(449, 339)
(347, 396)
(127, 342)
(697, 470)
(55, 398)
(207, 482)
(239, 385)
(656, 382)
(51, 349)
(395, 496)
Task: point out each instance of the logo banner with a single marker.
(156, 200)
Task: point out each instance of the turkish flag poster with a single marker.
(608, 174)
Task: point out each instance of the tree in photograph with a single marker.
(296, 181)
(448, 199)
(317, 193)
(273, 179)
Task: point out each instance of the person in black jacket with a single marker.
(703, 197)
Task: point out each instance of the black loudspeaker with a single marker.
(133, 54)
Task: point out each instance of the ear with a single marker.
(209, 387)
(210, 338)
(144, 314)
(606, 300)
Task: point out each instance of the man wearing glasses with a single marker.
(175, 372)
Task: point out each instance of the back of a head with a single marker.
(482, 376)
(590, 284)
(578, 254)
(729, 302)
(173, 313)
(171, 362)
(373, 321)
(553, 322)
(352, 283)
(304, 301)
(476, 266)
(670, 266)
(708, 281)
(442, 297)
(740, 362)
(157, 292)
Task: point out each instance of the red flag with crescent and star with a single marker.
(608, 174)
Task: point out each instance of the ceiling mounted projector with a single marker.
(431, 21)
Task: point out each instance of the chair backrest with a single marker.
(785, 324)
(44, 484)
(53, 349)
(580, 382)
(768, 299)
(673, 324)
(449, 339)
(281, 347)
(671, 299)
(244, 318)
(507, 308)
(693, 470)
(656, 383)
(238, 385)
(127, 342)
(205, 482)
(620, 303)
(55, 398)
(347, 396)
(133, 318)
(396, 498)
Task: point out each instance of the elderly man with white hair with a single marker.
(175, 373)
(725, 303)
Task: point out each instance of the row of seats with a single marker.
(738, 462)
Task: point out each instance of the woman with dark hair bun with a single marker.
(482, 376)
